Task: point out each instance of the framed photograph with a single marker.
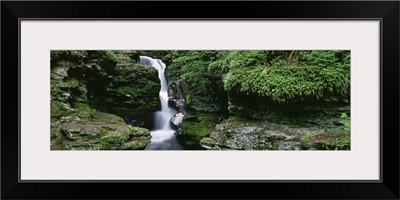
(181, 96)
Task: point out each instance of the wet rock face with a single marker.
(177, 100)
(132, 87)
(259, 124)
(238, 133)
(177, 119)
(319, 114)
(176, 97)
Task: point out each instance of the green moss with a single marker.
(345, 120)
(57, 109)
(104, 131)
(57, 145)
(135, 87)
(330, 141)
(267, 146)
(75, 56)
(326, 141)
(112, 56)
(188, 99)
(195, 128)
(54, 85)
(113, 142)
(104, 145)
(83, 111)
(71, 83)
(133, 98)
(108, 118)
(139, 144)
(133, 129)
(55, 90)
(115, 139)
(108, 132)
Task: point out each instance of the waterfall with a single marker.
(163, 136)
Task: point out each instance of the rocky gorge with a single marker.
(255, 125)
(110, 100)
(98, 98)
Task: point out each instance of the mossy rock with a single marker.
(83, 111)
(326, 141)
(108, 81)
(196, 127)
(57, 109)
(138, 144)
(237, 133)
(105, 132)
(133, 87)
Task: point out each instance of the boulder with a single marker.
(176, 99)
(177, 119)
(196, 126)
(175, 95)
(105, 132)
(237, 133)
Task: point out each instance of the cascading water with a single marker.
(162, 136)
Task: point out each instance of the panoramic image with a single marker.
(254, 100)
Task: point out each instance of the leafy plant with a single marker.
(338, 143)
(345, 120)
(188, 99)
(318, 75)
(327, 141)
(112, 55)
(283, 76)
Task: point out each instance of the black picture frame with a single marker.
(386, 11)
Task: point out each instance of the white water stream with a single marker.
(163, 136)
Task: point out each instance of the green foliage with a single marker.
(192, 71)
(310, 78)
(345, 120)
(278, 62)
(73, 56)
(307, 138)
(134, 87)
(71, 83)
(340, 143)
(57, 109)
(326, 141)
(112, 56)
(283, 76)
(193, 67)
(188, 99)
(330, 141)
(324, 59)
